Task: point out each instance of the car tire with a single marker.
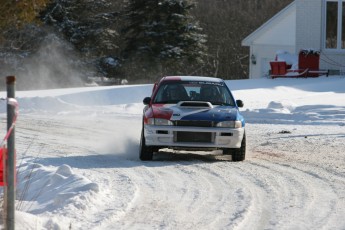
(237, 154)
(240, 154)
(145, 152)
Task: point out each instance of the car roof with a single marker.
(191, 78)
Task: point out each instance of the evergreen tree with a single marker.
(162, 34)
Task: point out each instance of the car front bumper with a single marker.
(193, 137)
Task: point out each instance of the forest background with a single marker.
(59, 43)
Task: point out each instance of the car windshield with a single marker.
(172, 92)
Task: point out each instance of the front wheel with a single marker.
(237, 154)
(240, 154)
(145, 152)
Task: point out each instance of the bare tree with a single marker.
(226, 23)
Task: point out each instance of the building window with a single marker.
(335, 24)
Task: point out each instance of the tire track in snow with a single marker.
(175, 196)
(295, 194)
(256, 195)
(205, 196)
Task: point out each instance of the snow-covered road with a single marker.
(289, 181)
(80, 170)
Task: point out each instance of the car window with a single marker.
(174, 92)
(171, 93)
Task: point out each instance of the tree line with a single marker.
(128, 39)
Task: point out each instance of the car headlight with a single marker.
(159, 121)
(230, 124)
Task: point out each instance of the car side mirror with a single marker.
(239, 103)
(147, 100)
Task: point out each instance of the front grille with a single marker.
(195, 123)
(193, 137)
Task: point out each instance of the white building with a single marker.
(304, 24)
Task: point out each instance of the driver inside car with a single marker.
(175, 93)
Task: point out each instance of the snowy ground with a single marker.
(78, 164)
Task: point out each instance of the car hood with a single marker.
(175, 112)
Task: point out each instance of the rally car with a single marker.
(192, 113)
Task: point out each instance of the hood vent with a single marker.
(195, 104)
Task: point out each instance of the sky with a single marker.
(78, 166)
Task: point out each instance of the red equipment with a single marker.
(308, 66)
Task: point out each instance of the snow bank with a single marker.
(44, 189)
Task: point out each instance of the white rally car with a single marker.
(192, 113)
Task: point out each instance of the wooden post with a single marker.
(10, 163)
